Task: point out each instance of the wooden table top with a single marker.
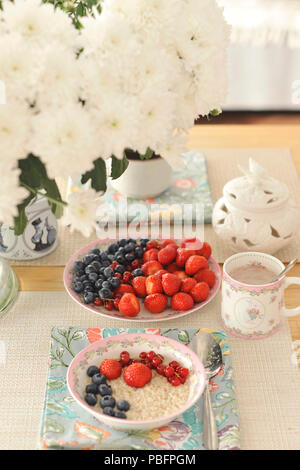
(49, 278)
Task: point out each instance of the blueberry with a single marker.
(122, 242)
(78, 266)
(129, 257)
(131, 240)
(78, 287)
(106, 285)
(139, 252)
(97, 265)
(129, 247)
(108, 411)
(88, 259)
(121, 259)
(98, 284)
(92, 388)
(105, 389)
(108, 273)
(99, 379)
(102, 270)
(95, 251)
(106, 263)
(83, 277)
(93, 277)
(92, 370)
(88, 297)
(119, 414)
(121, 251)
(107, 400)
(120, 269)
(144, 241)
(113, 247)
(123, 405)
(105, 293)
(91, 399)
(115, 282)
(138, 272)
(90, 269)
(103, 256)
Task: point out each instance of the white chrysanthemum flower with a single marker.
(14, 133)
(81, 211)
(11, 193)
(60, 80)
(33, 19)
(117, 119)
(172, 150)
(19, 68)
(66, 140)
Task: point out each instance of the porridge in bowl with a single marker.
(139, 389)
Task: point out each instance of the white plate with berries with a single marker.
(136, 380)
(143, 280)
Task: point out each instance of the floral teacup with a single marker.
(254, 311)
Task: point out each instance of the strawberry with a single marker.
(151, 267)
(111, 368)
(160, 273)
(153, 284)
(205, 250)
(187, 284)
(129, 305)
(207, 276)
(139, 285)
(156, 303)
(181, 274)
(200, 292)
(192, 244)
(182, 301)
(194, 263)
(164, 243)
(151, 244)
(167, 255)
(172, 268)
(182, 256)
(150, 255)
(123, 289)
(170, 283)
(137, 375)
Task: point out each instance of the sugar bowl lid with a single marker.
(256, 190)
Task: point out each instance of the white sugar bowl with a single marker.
(255, 212)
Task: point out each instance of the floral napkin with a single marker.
(189, 185)
(65, 425)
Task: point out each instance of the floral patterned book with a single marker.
(65, 425)
(190, 185)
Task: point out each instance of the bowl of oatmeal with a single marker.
(136, 381)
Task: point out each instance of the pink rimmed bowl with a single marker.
(144, 315)
(134, 343)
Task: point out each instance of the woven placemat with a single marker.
(66, 425)
(266, 378)
(222, 167)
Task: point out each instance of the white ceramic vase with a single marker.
(144, 178)
(39, 237)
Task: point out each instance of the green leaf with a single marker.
(147, 155)
(20, 221)
(118, 166)
(52, 191)
(77, 335)
(97, 176)
(50, 425)
(33, 171)
(183, 336)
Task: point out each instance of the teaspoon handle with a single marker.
(210, 431)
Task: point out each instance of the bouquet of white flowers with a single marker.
(134, 77)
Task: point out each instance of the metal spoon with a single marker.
(285, 270)
(210, 354)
